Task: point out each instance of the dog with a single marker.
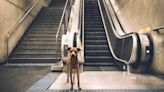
(73, 65)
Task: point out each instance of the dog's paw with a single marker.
(79, 89)
(71, 88)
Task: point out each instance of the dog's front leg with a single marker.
(71, 77)
(78, 77)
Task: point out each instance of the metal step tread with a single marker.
(37, 42)
(87, 40)
(96, 46)
(34, 58)
(98, 57)
(99, 63)
(96, 51)
(34, 53)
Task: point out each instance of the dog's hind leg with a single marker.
(68, 72)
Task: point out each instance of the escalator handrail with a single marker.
(122, 29)
(133, 35)
(82, 29)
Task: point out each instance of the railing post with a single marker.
(66, 21)
(7, 51)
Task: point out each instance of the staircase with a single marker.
(38, 43)
(97, 53)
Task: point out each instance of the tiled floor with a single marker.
(110, 80)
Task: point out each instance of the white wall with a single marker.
(138, 14)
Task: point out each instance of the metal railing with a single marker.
(63, 26)
(82, 24)
(81, 27)
(158, 29)
(21, 8)
(16, 26)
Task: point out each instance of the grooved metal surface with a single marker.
(97, 53)
(109, 90)
(44, 83)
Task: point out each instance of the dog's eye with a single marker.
(71, 51)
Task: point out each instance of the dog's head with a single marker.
(73, 51)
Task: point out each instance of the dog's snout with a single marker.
(73, 55)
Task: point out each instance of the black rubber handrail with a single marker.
(128, 41)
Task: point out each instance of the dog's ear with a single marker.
(78, 49)
(69, 48)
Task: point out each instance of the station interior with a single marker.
(99, 45)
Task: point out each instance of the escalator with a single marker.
(38, 43)
(97, 53)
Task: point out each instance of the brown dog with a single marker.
(73, 65)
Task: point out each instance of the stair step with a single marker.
(38, 46)
(33, 60)
(33, 56)
(42, 29)
(46, 26)
(46, 23)
(48, 34)
(42, 32)
(42, 38)
(38, 42)
(51, 21)
(39, 52)
(51, 17)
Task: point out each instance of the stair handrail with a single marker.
(25, 10)
(60, 24)
(158, 29)
(16, 26)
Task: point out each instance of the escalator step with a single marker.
(97, 54)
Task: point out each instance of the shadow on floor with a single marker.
(20, 78)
